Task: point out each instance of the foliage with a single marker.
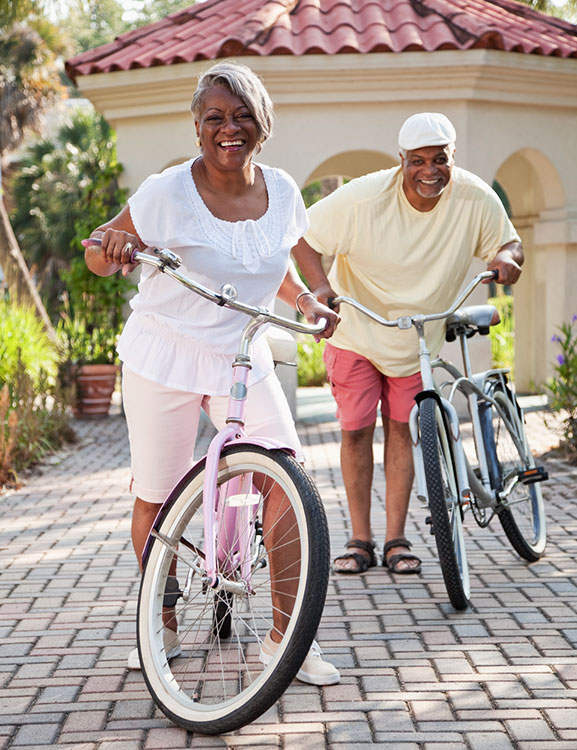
(312, 193)
(66, 186)
(15, 10)
(8, 428)
(92, 318)
(310, 366)
(155, 10)
(93, 23)
(23, 342)
(34, 416)
(29, 77)
(563, 386)
(566, 10)
(321, 188)
(502, 336)
(34, 421)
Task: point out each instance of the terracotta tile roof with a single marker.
(223, 28)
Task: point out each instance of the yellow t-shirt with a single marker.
(397, 261)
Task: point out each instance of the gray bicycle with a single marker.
(501, 478)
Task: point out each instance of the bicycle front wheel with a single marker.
(444, 505)
(273, 562)
(521, 510)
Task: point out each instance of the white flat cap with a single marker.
(426, 129)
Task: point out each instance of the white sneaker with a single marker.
(171, 645)
(314, 671)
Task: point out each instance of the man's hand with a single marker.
(314, 309)
(324, 293)
(507, 262)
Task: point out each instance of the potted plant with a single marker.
(90, 324)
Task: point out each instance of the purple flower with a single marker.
(574, 318)
(561, 359)
(555, 338)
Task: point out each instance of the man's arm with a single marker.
(508, 262)
(311, 267)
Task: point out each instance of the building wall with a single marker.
(515, 115)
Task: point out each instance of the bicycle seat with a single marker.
(282, 345)
(471, 320)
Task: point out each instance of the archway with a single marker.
(351, 164)
(535, 191)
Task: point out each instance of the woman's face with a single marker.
(227, 130)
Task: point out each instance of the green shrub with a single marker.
(24, 340)
(66, 186)
(34, 414)
(91, 320)
(502, 336)
(310, 366)
(563, 386)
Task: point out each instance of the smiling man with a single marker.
(402, 241)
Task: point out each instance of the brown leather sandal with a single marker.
(363, 562)
(393, 562)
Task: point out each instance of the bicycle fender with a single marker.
(261, 442)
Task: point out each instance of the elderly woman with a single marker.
(230, 219)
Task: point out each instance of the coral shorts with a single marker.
(358, 387)
(163, 423)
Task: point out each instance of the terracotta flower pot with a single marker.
(94, 388)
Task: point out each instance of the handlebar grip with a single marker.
(97, 242)
(91, 242)
(331, 302)
(495, 273)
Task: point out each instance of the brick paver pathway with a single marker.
(416, 675)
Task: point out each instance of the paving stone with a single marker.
(36, 734)
(489, 741)
(416, 674)
(529, 729)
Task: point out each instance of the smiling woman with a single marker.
(230, 220)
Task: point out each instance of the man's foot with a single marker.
(171, 645)
(314, 670)
(361, 558)
(398, 561)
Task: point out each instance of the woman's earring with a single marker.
(198, 142)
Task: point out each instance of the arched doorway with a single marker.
(535, 192)
(351, 164)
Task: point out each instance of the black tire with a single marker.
(219, 683)
(444, 505)
(521, 512)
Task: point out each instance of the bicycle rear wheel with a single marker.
(219, 683)
(444, 505)
(520, 510)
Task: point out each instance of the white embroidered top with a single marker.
(173, 336)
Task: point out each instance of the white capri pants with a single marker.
(163, 424)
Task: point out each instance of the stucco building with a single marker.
(344, 74)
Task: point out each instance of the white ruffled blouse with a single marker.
(173, 336)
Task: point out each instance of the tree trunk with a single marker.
(18, 278)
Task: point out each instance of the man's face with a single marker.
(426, 173)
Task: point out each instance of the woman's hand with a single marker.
(312, 309)
(117, 247)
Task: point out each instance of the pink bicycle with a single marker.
(240, 548)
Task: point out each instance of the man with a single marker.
(402, 241)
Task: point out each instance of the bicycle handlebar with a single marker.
(168, 262)
(407, 321)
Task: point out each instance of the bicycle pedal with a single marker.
(533, 475)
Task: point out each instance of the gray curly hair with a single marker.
(245, 84)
